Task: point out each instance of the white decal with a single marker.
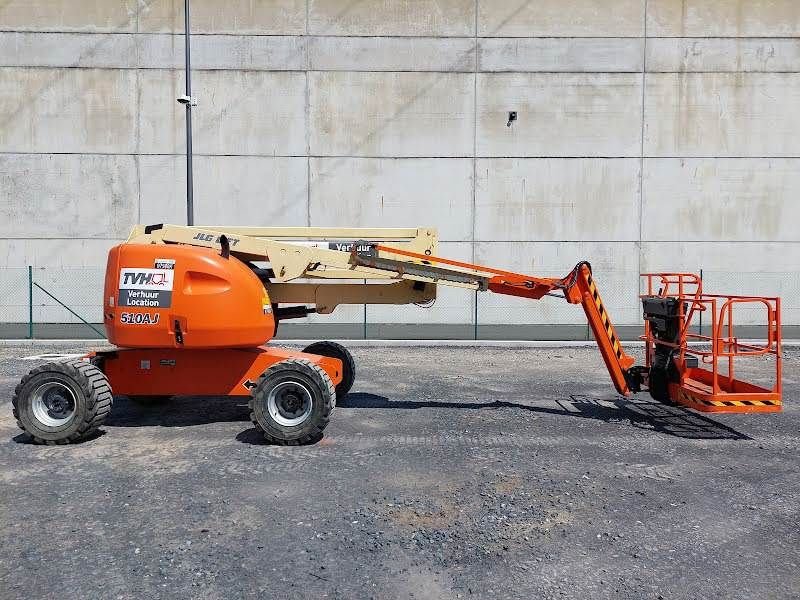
(146, 288)
(146, 279)
(139, 318)
(165, 263)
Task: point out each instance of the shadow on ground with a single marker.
(254, 437)
(26, 438)
(180, 411)
(670, 420)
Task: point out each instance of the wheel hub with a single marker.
(53, 404)
(289, 403)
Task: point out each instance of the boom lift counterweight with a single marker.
(190, 310)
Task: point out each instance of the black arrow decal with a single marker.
(249, 384)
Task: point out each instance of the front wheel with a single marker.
(292, 402)
(62, 402)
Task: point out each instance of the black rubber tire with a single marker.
(658, 385)
(91, 393)
(334, 350)
(323, 399)
(662, 372)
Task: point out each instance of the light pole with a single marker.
(188, 101)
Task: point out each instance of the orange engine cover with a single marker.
(172, 296)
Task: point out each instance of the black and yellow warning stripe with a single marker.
(612, 335)
(738, 402)
(689, 398)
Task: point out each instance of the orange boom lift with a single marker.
(191, 309)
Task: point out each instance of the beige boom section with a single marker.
(298, 255)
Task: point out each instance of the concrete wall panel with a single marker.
(723, 18)
(557, 199)
(62, 195)
(732, 257)
(560, 18)
(229, 190)
(615, 267)
(163, 188)
(721, 114)
(231, 52)
(71, 110)
(239, 112)
(24, 49)
(391, 54)
(559, 115)
(261, 17)
(68, 15)
(391, 114)
(721, 199)
(723, 55)
(373, 192)
(560, 55)
(392, 17)
(162, 120)
(71, 252)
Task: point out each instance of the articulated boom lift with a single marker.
(190, 310)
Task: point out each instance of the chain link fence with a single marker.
(52, 302)
(66, 302)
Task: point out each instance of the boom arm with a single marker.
(578, 287)
(409, 262)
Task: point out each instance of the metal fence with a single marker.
(51, 302)
(66, 302)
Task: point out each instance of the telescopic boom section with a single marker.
(578, 287)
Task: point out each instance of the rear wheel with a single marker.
(292, 402)
(62, 402)
(334, 350)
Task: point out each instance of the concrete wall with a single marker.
(652, 134)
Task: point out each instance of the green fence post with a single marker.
(30, 302)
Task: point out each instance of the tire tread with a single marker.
(92, 383)
(315, 372)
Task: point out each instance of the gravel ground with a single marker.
(448, 473)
